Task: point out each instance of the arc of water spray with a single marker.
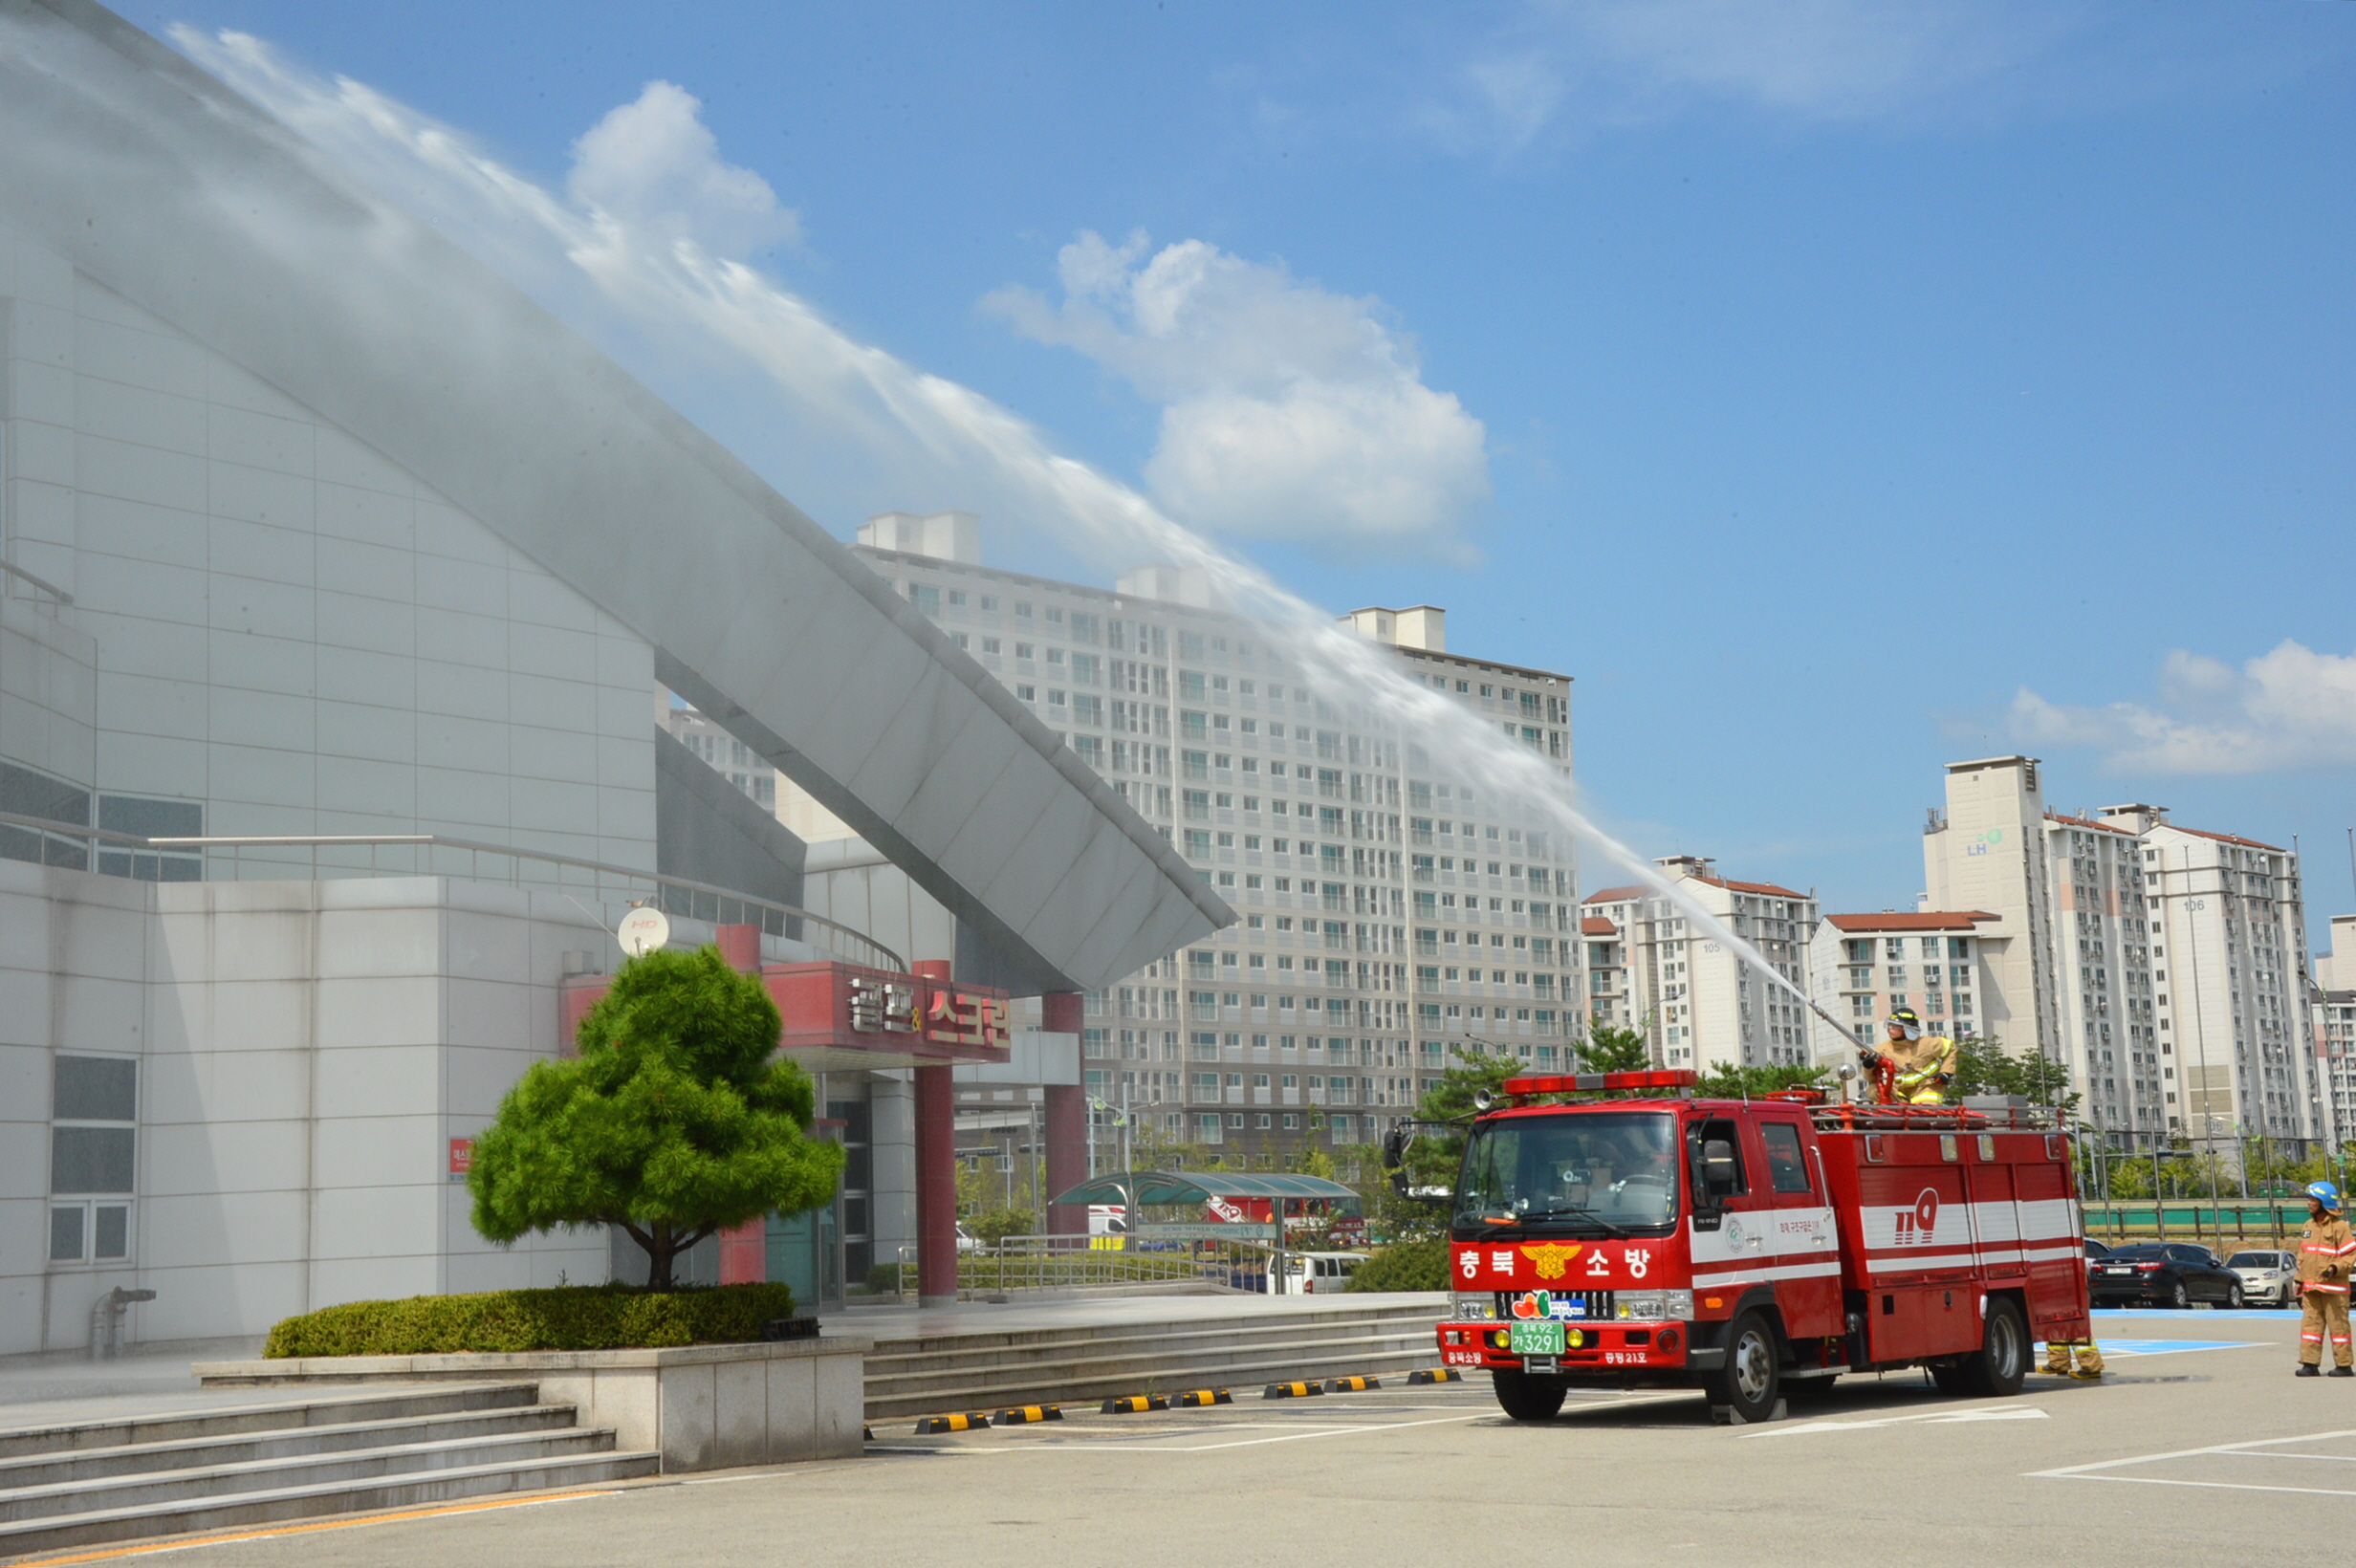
(743, 316)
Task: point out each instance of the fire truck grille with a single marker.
(1576, 1306)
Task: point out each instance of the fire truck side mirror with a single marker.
(1719, 1177)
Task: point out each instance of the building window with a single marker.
(94, 1108)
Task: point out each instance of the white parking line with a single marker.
(1256, 1442)
(2097, 1471)
(1925, 1418)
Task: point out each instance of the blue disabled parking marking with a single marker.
(2255, 1315)
(2171, 1347)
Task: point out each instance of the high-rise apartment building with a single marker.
(745, 769)
(1700, 1003)
(2333, 1001)
(2228, 918)
(1863, 968)
(2093, 916)
(1391, 916)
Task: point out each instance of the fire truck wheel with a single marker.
(1526, 1398)
(1747, 1384)
(2002, 1362)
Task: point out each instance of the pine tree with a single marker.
(1614, 1048)
(672, 1123)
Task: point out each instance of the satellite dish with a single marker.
(642, 930)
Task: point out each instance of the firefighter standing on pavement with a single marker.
(2058, 1358)
(2327, 1255)
(1923, 1065)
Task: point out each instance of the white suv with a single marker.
(2268, 1279)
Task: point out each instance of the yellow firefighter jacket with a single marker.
(2326, 1253)
(1924, 1067)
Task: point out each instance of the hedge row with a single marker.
(1409, 1266)
(570, 1317)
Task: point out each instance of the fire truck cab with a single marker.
(1752, 1248)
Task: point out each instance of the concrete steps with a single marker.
(925, 1376)
(94, 1482)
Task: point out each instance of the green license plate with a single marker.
(1535, 1339)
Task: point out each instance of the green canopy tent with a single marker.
(1149, 1188)
(1284, 1193)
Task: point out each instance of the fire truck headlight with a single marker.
(1473, 1309)
(1653, 1306)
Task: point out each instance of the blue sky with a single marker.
(1832, 389)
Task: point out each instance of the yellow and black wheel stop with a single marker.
(934, 1426)
(1134, 1404)
(1022, 1415)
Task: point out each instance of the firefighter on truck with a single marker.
(1917, 1066)
(1751, 1249)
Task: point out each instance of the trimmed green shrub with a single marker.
(570, 1317)
(675, 1121)
(1409, 1266)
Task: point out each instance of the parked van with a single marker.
(1318, 1273)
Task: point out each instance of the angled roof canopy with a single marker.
(162, 183)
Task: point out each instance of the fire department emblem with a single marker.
(1553, 1258)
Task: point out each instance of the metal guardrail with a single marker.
(1041, 1263)
(433, 855)
(2126, 1218)
(9, 569)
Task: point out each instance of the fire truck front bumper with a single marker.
(1570, 1349)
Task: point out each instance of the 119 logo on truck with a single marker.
(1750, 1247)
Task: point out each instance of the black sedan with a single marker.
(2163, 1274)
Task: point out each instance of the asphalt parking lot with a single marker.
(2198, 1445)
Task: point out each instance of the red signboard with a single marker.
(876, 1010)
(462, 1156)
(848, 1007)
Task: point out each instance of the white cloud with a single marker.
(2290, 709)
(1611, 61)
(655, 162)
(1287, 411)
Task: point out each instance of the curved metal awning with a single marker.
(1148, 1187)
(157, 180)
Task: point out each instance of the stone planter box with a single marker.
(699, 1406)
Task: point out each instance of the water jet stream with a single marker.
(648, 296)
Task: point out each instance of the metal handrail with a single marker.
(1048, 1263)
(854, 947)
(46, 586)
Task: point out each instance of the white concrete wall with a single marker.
(288, 626)
(851, 883)
(306, 1050)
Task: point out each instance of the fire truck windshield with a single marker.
(1590, 1171)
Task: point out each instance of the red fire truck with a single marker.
(1754, 1248)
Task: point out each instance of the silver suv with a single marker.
(2268, 1279)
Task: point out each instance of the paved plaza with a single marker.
(2198, 1443)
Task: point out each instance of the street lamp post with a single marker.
(2200, 1030)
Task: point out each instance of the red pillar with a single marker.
(1066, 1119)
(744, 1248)
(740, 946)
(936, 1172)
